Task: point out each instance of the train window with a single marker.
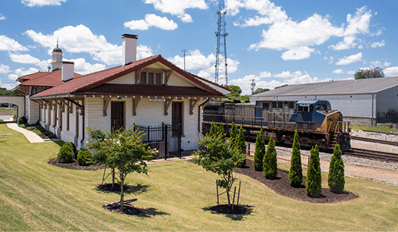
(273, 104)
(302, 108)
(266, 106)
(291, 105)
(280, 104)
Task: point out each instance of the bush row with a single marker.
(68, 151)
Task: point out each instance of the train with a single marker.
(314, 120)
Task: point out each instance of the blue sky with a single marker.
(272, 42)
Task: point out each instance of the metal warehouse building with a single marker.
(363, 102)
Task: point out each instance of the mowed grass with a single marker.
(37, 196)
(7, 110)
(384, 129)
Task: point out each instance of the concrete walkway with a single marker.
(31, 136)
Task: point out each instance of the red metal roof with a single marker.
(147, 90)
(48, 79)
(93, 80)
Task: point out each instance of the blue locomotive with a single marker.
(314, 120)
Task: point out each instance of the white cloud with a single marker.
(379, 32)
(378, 63)
(347, 43)
(13, 77)
(8, 44)
(284, 74)
(392, 71)
(28, 59)
(350, 59)
(209, 72)
(33, 3)
(338, 71)
(82, 67)
(4, 68)
(178, 7)
(151, 20)
(2, 17)
(386, 64)
(352, 72)
(21, 72)
(359, 23)
(378, 44)
(8, 86)
(80, 39)
(265, 74)
(143, 52)
(194, 60)
(297, 53)
(331, 59)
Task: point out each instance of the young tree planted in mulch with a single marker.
(296, 171)
(232, 135)
(125, 151)
(336, 179)
(259, 151)
(314, 177)
(240, 145)
(217, 157)
(270, 163)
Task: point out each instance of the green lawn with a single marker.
(37, 196)
(7, 110)
(385, 129)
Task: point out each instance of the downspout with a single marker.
(83, 126)
(205, 102)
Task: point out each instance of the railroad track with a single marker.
(374, 140)
(385, 156)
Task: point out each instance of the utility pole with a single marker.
(221, 48)
(184, 51)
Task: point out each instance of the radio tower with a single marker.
(221, 48)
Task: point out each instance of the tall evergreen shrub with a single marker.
(296, 171)
(314, 178)
(270, 164)
(221, 131)
(213, 129)
(259, 151)
(240, 145)
(232, 135)
(336, 179)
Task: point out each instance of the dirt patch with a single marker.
(74, 165)
(281, 185)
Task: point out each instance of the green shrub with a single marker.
(259, 151)
(221, 131)
(84, 157)
(65, 154)
(72, 146)
(270, 163)
(22, 120)
(232, 136)
(240, 145)
(314, 177)
(22, 125)
(296, 171)
(336, 179)
(213, 129)
(14, 117)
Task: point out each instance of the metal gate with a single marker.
(165, 138)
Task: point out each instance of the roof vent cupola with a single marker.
(129, 49)
(56, 62)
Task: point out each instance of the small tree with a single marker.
(314, 177)
(296, 171)
(126, 152)
(336, 179)
(213, 129)
(259, 151)
(270, 163)
(221, 131)
(240, 145)
(232, 135)
(217, 157)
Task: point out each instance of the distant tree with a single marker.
(314, 177)
(235, 91)
(244, 98)
(259, 151)
(4, 91)
(260, 90)
(336, 179)
(270, 164)
(369, 73)
(296, 171)
(281, 86)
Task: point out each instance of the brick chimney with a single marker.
(68, 70)
(129, 49)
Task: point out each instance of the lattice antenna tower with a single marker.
(221, 49)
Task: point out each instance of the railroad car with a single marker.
(314, 120)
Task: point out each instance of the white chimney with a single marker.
(129, 49)
(68, 70)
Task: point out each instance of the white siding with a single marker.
(127, 79)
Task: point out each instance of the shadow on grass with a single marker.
(133, 211)
(59, 143)
(127, 189)
(240, 211)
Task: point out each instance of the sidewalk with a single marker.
(31, 136)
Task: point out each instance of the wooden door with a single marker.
(117, 115)
(177, 118)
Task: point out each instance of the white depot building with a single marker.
(363, 102)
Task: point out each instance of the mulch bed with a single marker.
(281, 185)
(74, 165)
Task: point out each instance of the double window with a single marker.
(151, 78)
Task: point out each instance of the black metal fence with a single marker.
(164, 138)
